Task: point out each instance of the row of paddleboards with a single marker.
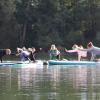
(49, 62)
(22, 64)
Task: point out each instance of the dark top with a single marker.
(32, 56)
(2, 53)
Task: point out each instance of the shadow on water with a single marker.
(50, 83)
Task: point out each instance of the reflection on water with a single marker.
(50, 83)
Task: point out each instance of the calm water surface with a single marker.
(50, 83)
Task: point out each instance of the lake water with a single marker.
(50, 83)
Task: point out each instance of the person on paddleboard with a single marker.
(32, 54)
(54, 52)
(23, 53)
(4, 52)
(27, 54)
(92, 49)
(79, 52)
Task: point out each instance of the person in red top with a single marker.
(79, 52)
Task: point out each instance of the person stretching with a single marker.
(4, 52)
(32, 54)
(92, 49)
(79, 52)
(24, 54)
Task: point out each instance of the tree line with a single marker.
(40, 23)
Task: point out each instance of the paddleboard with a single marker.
(22, 64)
(66, 62)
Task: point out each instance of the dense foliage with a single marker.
(40, 23)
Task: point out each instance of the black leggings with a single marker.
(58, 57)
(32, 57)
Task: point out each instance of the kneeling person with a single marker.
(54, 52)
(24, 54)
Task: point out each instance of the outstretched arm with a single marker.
(85, 49)
(71, 51)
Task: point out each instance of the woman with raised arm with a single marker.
(92, 49)
(80, 53)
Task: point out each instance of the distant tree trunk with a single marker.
(90, 33)
(24, 28)
(92, 17)
(23, 34)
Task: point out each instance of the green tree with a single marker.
(7, 24)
